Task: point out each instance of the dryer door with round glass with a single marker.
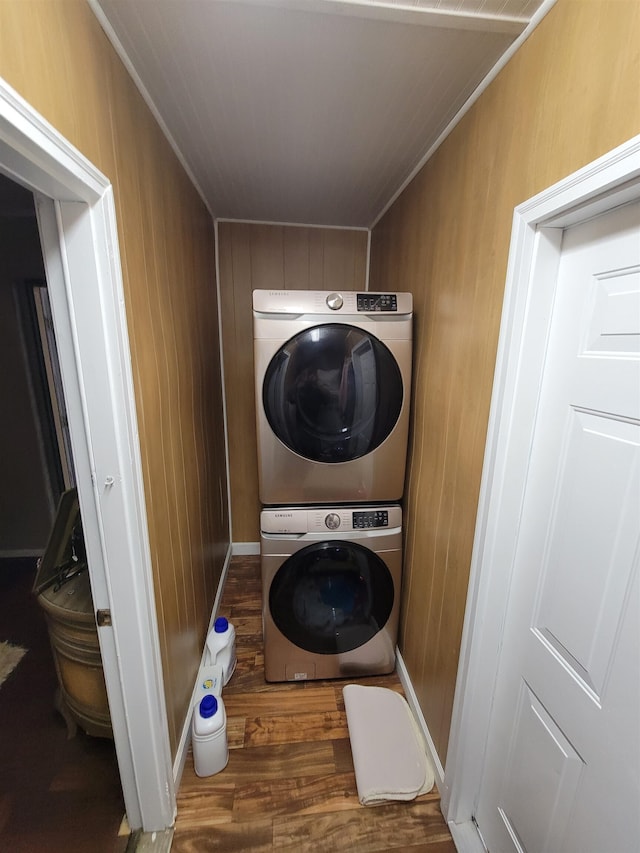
(332, 389)
(333, 393)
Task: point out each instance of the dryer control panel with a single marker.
(268, 304)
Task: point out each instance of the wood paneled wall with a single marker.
(252, 257)
(57, 57)
(569, 95)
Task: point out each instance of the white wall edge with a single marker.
(403, 13)
(223, 381)
(29, 144)
(246, 549)
(368, 270)
(292, 224)
(544, 9)
(114, 516)
(466, 837)
(412, 699)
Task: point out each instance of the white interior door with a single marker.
(562, 763)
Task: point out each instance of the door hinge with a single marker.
(103, 618)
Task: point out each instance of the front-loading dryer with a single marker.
(331, 581)
(332, 383)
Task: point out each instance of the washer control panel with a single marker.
(330, 520)
(370, 518)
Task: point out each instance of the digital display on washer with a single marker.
(370, 518)
(377, 302)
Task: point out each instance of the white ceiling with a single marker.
(308, 111)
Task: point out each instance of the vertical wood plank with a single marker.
(297, 262)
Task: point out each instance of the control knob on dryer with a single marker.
(332, 521)
(335, 301)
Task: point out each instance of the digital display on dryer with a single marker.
(377, 302)
(370, 518)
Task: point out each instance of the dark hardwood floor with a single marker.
(56, 795)
(290, 783)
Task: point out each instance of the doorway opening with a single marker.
(68, 787)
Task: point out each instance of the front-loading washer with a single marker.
(331, 581)
(332, 385)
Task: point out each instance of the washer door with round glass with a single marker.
(332, 393)
(331, 597)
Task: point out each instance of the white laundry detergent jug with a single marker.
(221, 647)
(209, 736)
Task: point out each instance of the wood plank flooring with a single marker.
(290, 783)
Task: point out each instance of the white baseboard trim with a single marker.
(245, 549)
(151, 842)
(185, 737)
(466, 837)
(412, 699)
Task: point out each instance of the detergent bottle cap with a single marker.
(208, 706)
(221, 625)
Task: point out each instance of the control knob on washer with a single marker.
(332, 521)
(335, 301)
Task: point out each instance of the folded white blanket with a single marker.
(388, 749)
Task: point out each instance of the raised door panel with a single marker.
(541, 780)
(586, 574)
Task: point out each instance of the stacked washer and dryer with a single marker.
(333, 379)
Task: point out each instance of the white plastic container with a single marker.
(221, 647)
(209, 681)
(209, 736)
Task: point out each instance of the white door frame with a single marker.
(529, 296)
(76, 216)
